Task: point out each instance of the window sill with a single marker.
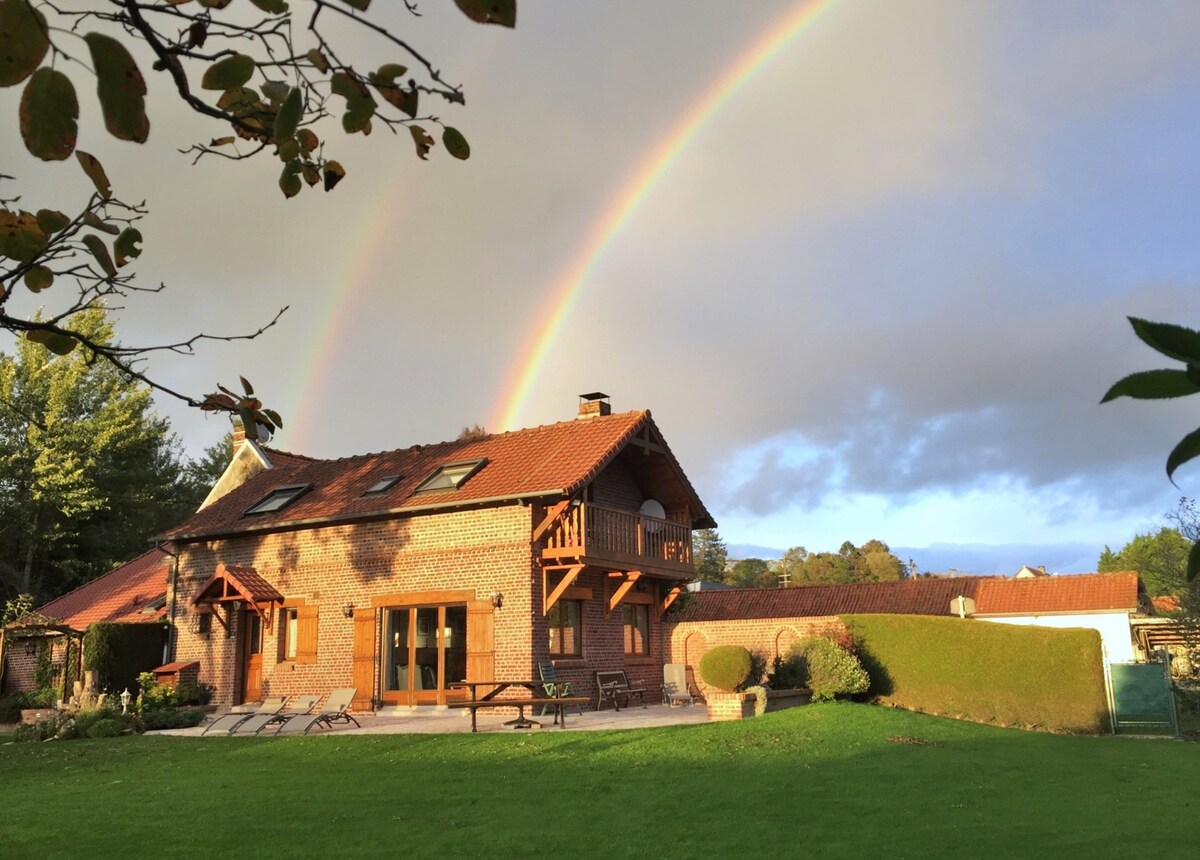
(568, 663)
(639, 660)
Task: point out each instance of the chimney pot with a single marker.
(594, 404)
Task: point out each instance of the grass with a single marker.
(834, 780)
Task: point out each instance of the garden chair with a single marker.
(336, 710)
(675, 690)
(691, 686)
(229, 723)
(298, 707)
(554, 687)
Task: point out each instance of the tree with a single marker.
(709, 555)
(1159, 557)
(752, 573)
(201, 475)
(268, 81)
(872, 562)
(88, 472)
(1180, 344)
(791, 566)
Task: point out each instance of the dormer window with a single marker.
(382, 485)
(278, 499)
(451, 476)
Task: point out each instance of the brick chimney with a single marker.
(239, 433)
(594, 405)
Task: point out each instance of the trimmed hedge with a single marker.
(725, 667)
(1033, 677)
(118, 652)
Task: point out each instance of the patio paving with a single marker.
(399, 721)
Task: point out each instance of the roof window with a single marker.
(451, 476)
(278, 499)
(382, 485)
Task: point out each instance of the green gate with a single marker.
(1140, 699)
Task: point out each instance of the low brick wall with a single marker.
(729, 706)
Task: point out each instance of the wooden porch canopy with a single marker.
(618, 588)
(235, 584)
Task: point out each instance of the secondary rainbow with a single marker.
(639, 185)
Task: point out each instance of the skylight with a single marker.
(451, 476)
(382, 485)
(278, 499)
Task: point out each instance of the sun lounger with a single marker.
(229, 723)
(336, 710)
(675, 690)
(298, 707)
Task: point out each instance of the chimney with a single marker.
(594, 405)
(239, 433)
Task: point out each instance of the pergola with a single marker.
(33, 627)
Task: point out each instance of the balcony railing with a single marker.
(601, 532)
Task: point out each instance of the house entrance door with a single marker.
(251, 628)
(424, 650)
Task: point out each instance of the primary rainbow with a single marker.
(567, 289)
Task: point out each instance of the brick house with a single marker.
(400, 572)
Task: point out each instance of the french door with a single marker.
(424, 650)
(252, 647)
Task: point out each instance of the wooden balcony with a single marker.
(604, 537)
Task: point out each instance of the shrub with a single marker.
(986, 672)
(10, 708)
(44, 730)
(43, 669)
(86, 718)
(725, 667)
(758, 669)
(193, 694)
(831, 670)
(788, 673)
(760, 700)
(42, 698)
(106, 728)
(155, 720)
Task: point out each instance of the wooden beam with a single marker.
(630, 580)
(553, 514)
(553, 597)
(669, 599)
(645, 442)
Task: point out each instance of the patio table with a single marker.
(537, 696)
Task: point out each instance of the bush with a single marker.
(760, 700)
(43, 698)
(788, 673)
(10, 708)
(44, 730)
(106, 728)
(193, 694)
(725, 667)
(758, 669)
(831, 670)
(1032, 677)
(182, 719)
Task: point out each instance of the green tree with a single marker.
(752, 573)
(791, 566)
(201, 475)
(1160, 558)
(872, 562)
(279, 83)
(709, 555)
(88, 471)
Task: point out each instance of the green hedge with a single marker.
(1034, 677)
(118, 653)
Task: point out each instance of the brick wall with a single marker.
(688, 641)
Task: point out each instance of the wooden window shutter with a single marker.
(481, 654)
(306, 634)
(362, 670)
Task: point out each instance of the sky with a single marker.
(875, 290)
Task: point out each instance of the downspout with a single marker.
(169, 645)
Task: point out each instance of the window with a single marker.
(566, 633)
(637, 628)
(278, 499)
(288, 623)
(451, 476)
(382, 485)
(204, 623)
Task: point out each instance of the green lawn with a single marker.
(834, 780)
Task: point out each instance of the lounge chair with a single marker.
(229, 723)
(675, 690)
(336, 710)
(554, 687)
(298, 707)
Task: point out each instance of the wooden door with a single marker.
(362, 670)
(481, 654)
(251, 656)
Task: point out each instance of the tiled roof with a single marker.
(541, 461)
(244, 580)
(1084, 592)
(1165, 603)
(906, 597)
(119, 595)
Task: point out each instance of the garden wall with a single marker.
(989, 673)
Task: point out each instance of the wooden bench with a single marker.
(556, 704)
(611, 686)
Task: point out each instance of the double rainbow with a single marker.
(641, 182)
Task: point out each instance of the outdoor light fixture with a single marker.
(497, 599)
(125, 697)
(348, 610)
(30, 648)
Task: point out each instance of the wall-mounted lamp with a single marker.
(348, 610)
(30, 648)
(497, 599)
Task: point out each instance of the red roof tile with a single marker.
(1085, 592)
(553, 460)
(905, 597)
(245, 581)
(119, 595)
